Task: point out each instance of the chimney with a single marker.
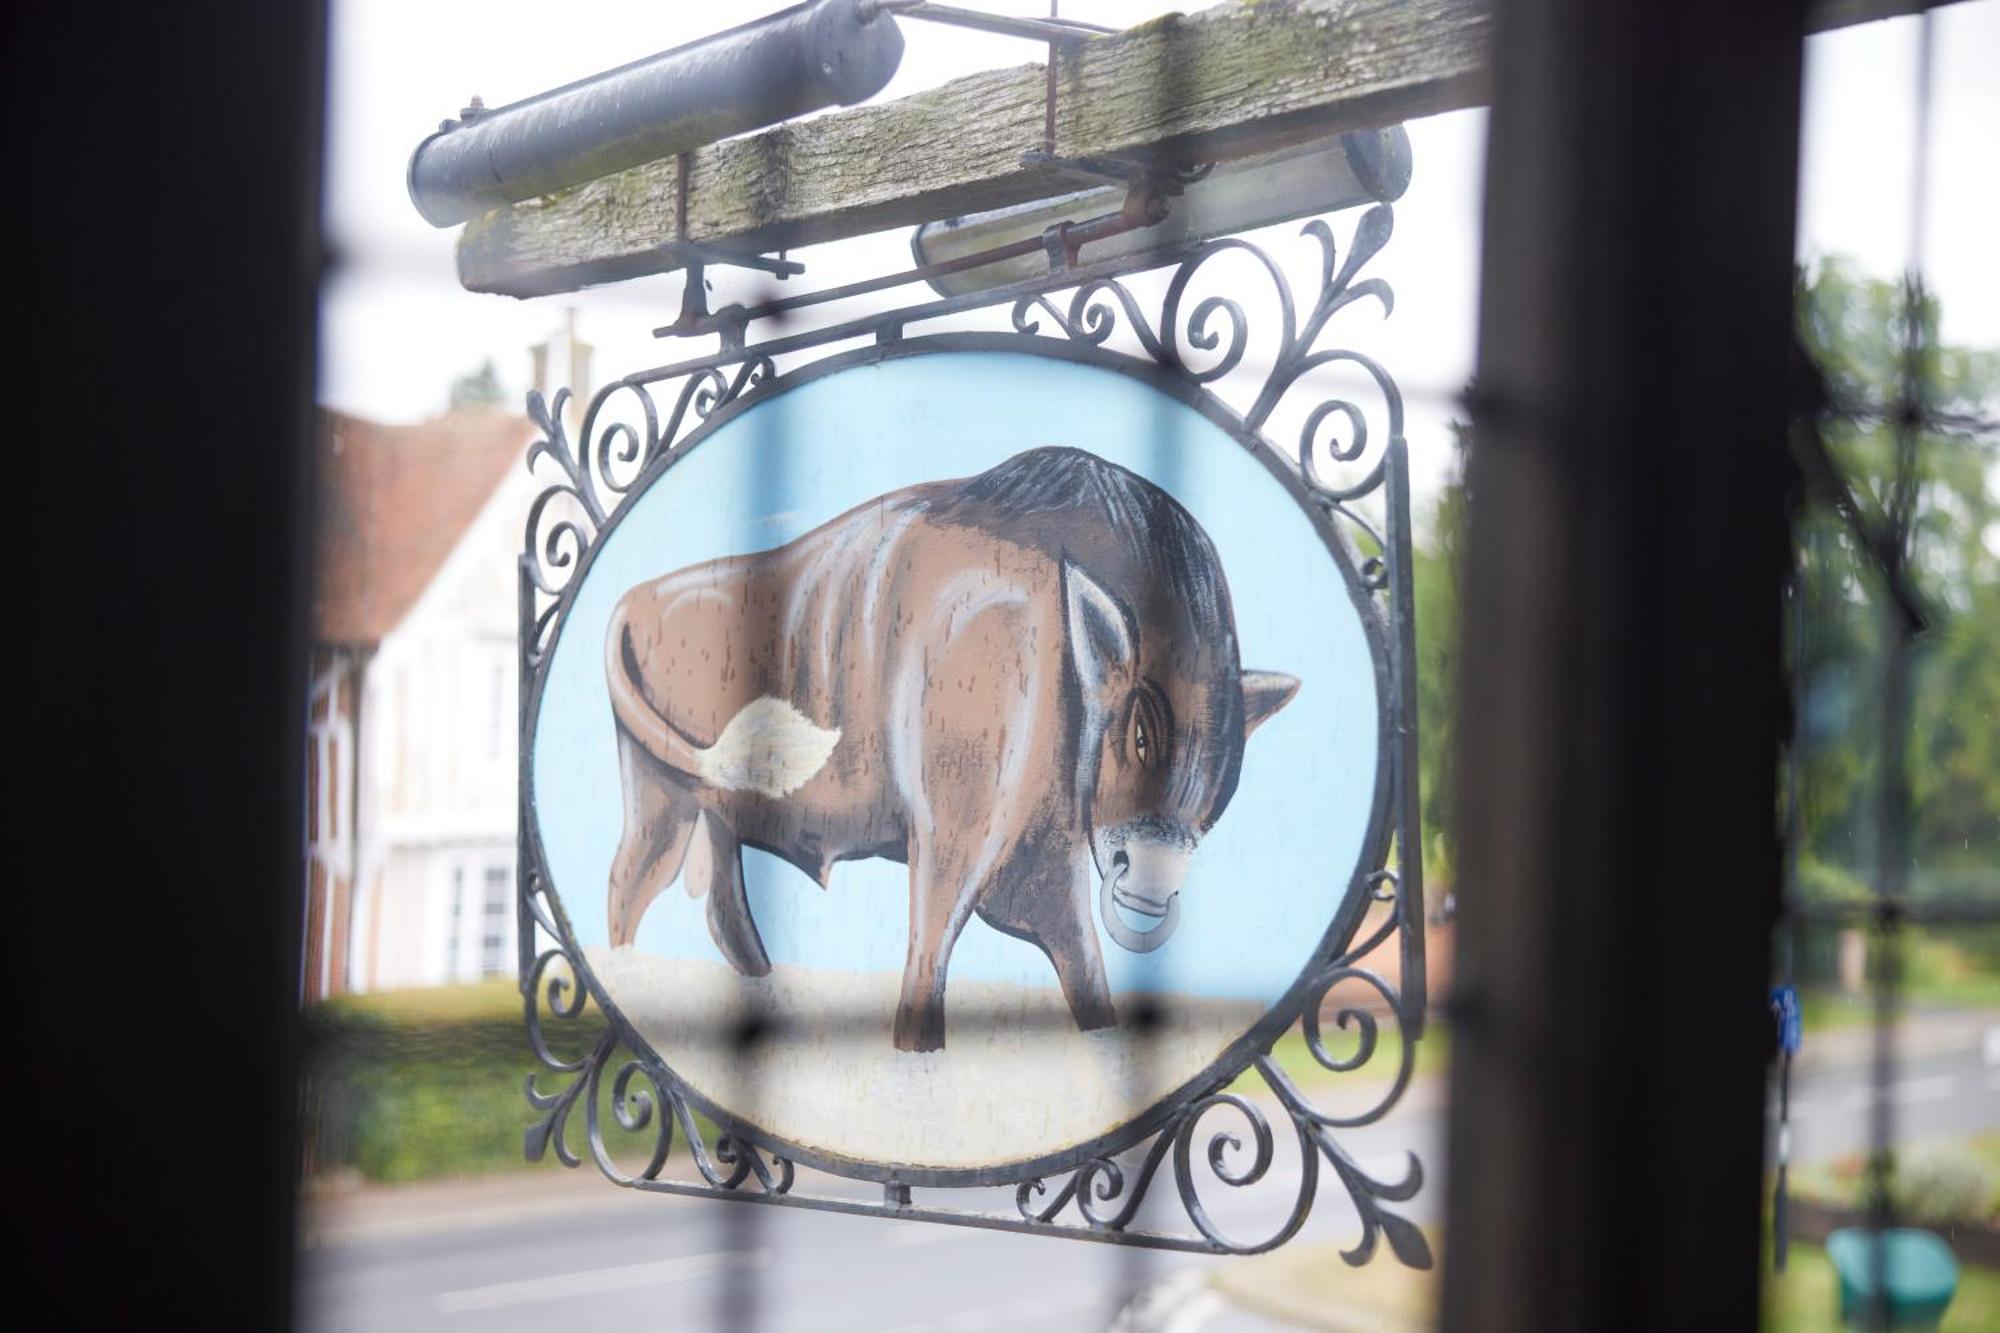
(580, 386)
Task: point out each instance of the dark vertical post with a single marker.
(161, 257)
(1409, 847)
(1622, 696)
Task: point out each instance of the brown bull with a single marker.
(1006, 682)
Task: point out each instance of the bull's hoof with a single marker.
(918, 1035)
(735, 934)
(1094, 1015)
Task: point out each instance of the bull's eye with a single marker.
(1148, 731)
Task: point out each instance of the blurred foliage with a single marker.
(1434, 576)
(1936, 968)
(478, 388)
(1939, 1185)
(1959, 966)
(1867, 335)
(1944, 1186)
(411, 1085)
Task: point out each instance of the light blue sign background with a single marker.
(1266, 881)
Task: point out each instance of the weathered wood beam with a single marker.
(1218, 85)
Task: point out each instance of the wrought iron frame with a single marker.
(1084, 1192)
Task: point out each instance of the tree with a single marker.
(1434, 576)
(1865, 334)
(1869, 337)
(479, 388)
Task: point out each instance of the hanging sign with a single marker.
(953, 763)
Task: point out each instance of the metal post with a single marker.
(1623, 693)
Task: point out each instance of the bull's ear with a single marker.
(1101, 638)
(1264, 693)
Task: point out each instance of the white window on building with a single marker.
(496, 710)
(493, 944)
(457, 927)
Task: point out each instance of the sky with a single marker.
(396, 329)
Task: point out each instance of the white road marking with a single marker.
(593, 1281)
(1031, 1312)
(1934, 1089)
(1909, 1091)
(1180, 1301)
(909, 1234)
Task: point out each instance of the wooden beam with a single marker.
(1218, 85)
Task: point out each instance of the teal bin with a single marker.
(1918, 1269)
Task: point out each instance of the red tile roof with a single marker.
(393, 501)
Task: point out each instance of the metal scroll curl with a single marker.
(1106, 1196)
(620, 437)
(1221, 1139)
(641, 1100)
(1339, 464)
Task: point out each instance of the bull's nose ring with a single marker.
(1138, 941)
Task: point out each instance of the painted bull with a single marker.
(1006, 682)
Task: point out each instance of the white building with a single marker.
(411, 716)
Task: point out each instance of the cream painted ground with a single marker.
(1015, 1081)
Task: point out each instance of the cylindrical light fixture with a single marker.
(813, 55)
(1366, 166)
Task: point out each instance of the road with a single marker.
(580, 1253)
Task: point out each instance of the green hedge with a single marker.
(413, 1085)
(416, 1085)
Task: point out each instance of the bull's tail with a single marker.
(635, 713)
(769, 747)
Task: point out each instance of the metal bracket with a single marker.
(1151, 175)
(1098, 169)
(695, 255)
(695, 258)
(1059, 30)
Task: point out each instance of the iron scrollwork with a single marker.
(1222, 1136)
(594, 475)
(728, 1165)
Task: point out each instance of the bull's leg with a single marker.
(1068, 934)
(970, 794)
(1045, 898)
(940, 902)
(659, 817)
(718, 858)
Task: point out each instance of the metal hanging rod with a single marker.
(1060, 243)
(1061, 30)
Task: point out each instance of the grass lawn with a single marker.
(1805, 1298)
(496, 999)
(1433, 1055)
(1308, 1284)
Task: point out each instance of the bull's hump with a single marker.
(1130, 534)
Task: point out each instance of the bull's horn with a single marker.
(1138, 941)
(1264, 693)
